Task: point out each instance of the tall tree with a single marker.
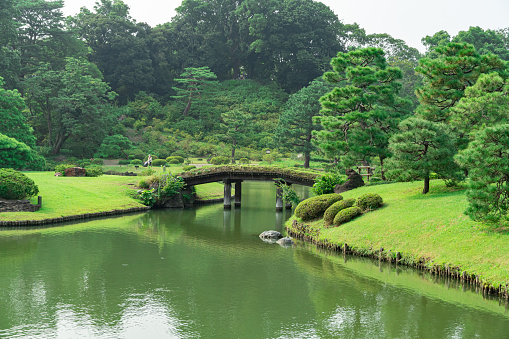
(485, 41)
(294, 40)
(235, 125)
(14, 123)
(456, 67)
(487, 161)
(192, 83)
(72, 101)
(119, 46)
(422, 147)
(365, 107)
(41, 35)
(296, 126)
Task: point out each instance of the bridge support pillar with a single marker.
(288, 204)
(279, 199)
(227, 194)
(238, 193)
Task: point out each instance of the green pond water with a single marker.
(204, 273)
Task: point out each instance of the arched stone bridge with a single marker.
(236, 174)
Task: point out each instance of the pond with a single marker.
(204, 273)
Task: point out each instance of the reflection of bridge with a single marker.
(237, 174)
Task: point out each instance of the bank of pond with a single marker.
(429, 231)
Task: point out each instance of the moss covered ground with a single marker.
(431, 227)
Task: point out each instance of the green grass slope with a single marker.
(430, 226)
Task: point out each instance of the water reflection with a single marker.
(205, 273)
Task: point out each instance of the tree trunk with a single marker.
(426, 184)
(307, 158)
(382, 172)
(59, 143)
(188, 107)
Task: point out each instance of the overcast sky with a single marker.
(409, 20)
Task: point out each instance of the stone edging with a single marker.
(17, 223)
(399, 258)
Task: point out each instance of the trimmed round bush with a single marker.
(173, 162)
(346, 215)
(94, 171)
(188, 167)
(220, 160)
(15, 185)
(136, 162)
(369, 201)
(314, 207)
(179, 159)
(124, 162)
(244, 160)
(331, 212)
(159, 162)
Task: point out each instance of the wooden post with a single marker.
(227, 194)
(238, 193)
(279, 199)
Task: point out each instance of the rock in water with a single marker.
(285, 242)
(270, 235)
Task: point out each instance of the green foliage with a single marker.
(446, 76)
(188, 168)
(147, 197)
(325, 184)
(94, 171)
(158, 162)
(192, 83)
(315, 207)
(331, 212)
(124, 162)
(369, 202)
(178, 158)
(361, 114)
(243, 161)
(169, 185)
(97, 162)
(220, 160)
(62, 167)
(174, 162)
(14, 124)
(420, 148)
(346, 215)
(136, 162)
(296, 124)
(147, 172)
(15, 185)
(14, 154)
(114, 146)
(487, 161)
(288, 194)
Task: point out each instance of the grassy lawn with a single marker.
(430, 226)
(65, 196)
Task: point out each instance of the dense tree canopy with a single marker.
(365, 109)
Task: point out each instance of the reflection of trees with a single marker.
(355, 301)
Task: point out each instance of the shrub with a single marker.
(244, 160)
(159, 162)
(314, 207)
(15, 185)
(188, 168)
(326, 183)
(62, 167)
(346, 215)
(136, 162)
(94, 171)
(220, 160)
(176, 157)
(331, 212)
(173, 162)
(97, 162)
(369, 201)
(124, 162)
(179, 153)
